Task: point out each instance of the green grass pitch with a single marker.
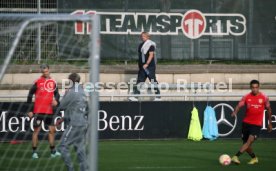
(151, 155)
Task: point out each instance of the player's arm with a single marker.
(30, 99)
(56, 97)
(65, 101)
(150, 58)
(269, 112)
(237, 108)
(59, 121)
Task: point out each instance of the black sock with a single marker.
(252, 155)
(34, 149)
(239, 153)
(53, 149)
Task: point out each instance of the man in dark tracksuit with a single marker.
(147, 65)
(75, 116)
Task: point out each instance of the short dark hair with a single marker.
(74, 77)
(254, 82)
(44, 66)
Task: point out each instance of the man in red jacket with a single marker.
(256, 102)
(46, 98)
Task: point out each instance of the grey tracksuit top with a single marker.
(75, 105)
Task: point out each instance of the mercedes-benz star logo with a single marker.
(222, 119)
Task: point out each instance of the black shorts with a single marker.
(249, 129)
(46, 118)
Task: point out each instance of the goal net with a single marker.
(27, 42)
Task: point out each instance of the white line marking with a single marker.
(162, 167)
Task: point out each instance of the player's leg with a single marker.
(153, 80)
(81, 154)
(35, 137)
(37, 127)
(243, 148)
(250, 152)
(51, 135)
(141, 78)
(254, 131)
(246, 145)
(250, 134)
(245, 137)
(51, 139)
(65, 151)
(79, 144)
(35, 141)
(66, 141)
(49, 121)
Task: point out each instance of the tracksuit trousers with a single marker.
(74, 135)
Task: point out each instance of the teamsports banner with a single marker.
(182, 29)
(137, 120)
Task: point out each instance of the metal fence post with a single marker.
(38, 44)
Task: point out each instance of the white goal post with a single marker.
(94, 61)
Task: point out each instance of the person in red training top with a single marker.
(256, 102)
(46, 98)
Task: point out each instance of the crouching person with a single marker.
(74, 105)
